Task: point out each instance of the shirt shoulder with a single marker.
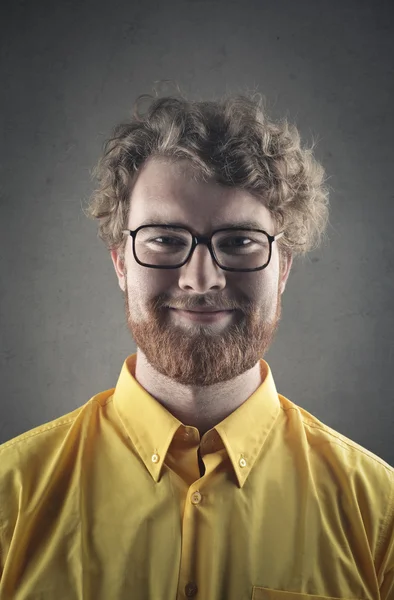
(32, 461)
(38, 440)
(38, 434)
(38, 444)
(325, 439)
(354, 474)
(350, 474)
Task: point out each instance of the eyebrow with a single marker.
(248, 224)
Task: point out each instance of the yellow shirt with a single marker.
(107, 503)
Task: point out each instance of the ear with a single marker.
(119, 268)
(286, 263)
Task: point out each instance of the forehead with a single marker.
(170, 192)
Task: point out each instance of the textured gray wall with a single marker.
(71, 70)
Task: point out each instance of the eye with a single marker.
(167, 237)
(237, 238)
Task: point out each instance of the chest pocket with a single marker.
(261, 593)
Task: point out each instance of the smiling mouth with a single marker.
(205, 312)
(204, 316)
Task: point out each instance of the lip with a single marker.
(206, 310)
(204, 316)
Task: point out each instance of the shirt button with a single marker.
(196, 497)
(191, 589)
(242, 462)
(155, 458)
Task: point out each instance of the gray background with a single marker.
(71, 70)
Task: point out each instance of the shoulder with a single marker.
(33, 449)
(348, 481)
(39, 459)
(26, 456)
(340, 455)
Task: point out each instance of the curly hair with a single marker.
(233, 142)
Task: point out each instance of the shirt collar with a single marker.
(151, 427)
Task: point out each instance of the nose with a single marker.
(201, 273)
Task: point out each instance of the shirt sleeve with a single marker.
(387, 565)
(10, 486)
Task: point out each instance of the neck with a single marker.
(199, 407)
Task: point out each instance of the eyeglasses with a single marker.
(178, 243)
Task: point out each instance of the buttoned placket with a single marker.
(194, 502)
(195, 497)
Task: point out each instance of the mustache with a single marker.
(214, 307)
(203, 305)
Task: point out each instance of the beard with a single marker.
(198, 354)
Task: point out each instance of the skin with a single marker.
(199, 372)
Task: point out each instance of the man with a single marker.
(193, 477)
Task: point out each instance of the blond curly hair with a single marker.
(231, 140)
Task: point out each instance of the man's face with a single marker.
(190, 352)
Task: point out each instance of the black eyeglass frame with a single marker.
(201, 239)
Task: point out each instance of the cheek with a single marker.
(147, 284)
(259, 288)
